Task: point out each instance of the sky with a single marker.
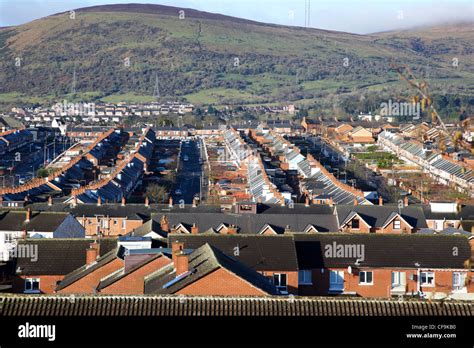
(355, 16)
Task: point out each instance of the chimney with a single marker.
(282, 204)
(181, 264)
(164, 224)
(306, 203)
(91, 255)
(99, 201)
(234, 201)
(287, 229)
(356, 202)
(25, 234)
(50, 201)
(331, 202)
(147, 202)
(405, 201)
(170, 202)
(195, 202)
(194, 229)
(380, 200)
(177, 248)
(74, 201)
(123, 201)
(28, 215)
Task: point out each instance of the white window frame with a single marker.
(396, 279)
(31, 281)
(277, 281)
(124, 224)
(365, 282)
(427, 274)
(397, 222)
(336, 280)
(305, 277)
(460, 283)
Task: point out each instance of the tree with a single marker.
(156, 193)
(42, 173)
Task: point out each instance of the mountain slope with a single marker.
(211, 58)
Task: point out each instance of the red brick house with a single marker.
(384, 265)
(207, 271)
(52, 261)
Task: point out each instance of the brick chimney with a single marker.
(405, 201)
(147, 202)
(123, 202)
(194, 229)
(99, 201)
(170, 202)
(181, 263)
(380, 200)
(50, 201)
(91, 255)
(177, 248)
(356, 202)
(28, 215)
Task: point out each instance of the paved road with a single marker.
(188, 179)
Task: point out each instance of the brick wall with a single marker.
(221, 282)
(88, 284)
(133, 283)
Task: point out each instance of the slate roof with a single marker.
(39, 221)
(376, 215)
(59, 256)
(192, 306)
(261, 253)
(387, 250)
(203, 261)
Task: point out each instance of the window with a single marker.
(355, 224)
(459, 280)
(305, 277)
(8, 237)
(32, 285)
(336, 280)
(427, 279)
(279, 280)
(397, 224)
(124, 224)
(398, 280)
(365, 277)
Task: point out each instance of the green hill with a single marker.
(211, 58)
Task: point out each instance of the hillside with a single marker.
(212, 58)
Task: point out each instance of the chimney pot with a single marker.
(356, 202)
(405, 201)
(50, 201)
(194, 229)
(147, 201)
(28, 215)
(170, 202)
(123, 201)
(307, 201)
(380, 200)
(99, 201)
